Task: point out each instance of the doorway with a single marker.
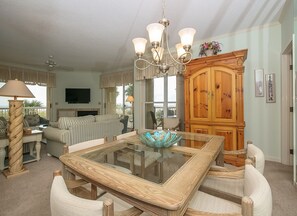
(287, 106)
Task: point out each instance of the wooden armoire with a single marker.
(214, 98)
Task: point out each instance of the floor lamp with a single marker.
(15, 88)
(130, 99)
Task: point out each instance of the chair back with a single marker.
(124, 120)
(86, 144)
(125, 135)
(171, 123)
(257, 189)
(62, 202)
(257, 156)
(153, 118)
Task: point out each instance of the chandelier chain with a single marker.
(163, 8)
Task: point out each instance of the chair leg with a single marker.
(93, 192)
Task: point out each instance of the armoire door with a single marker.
(200, 95)
(223, 94)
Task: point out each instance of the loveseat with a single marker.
(72, 130)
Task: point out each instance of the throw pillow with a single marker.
(25, 124)
(33, 120)
(3, 122)
(3, 126)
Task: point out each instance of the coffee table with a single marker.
(33, 139)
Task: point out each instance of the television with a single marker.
(77, 95)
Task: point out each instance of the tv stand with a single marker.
(74, 112)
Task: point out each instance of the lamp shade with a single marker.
(139, 45)
(155, 31)
(180, 50)
(187, 36)
(130, 99)
(15, 88)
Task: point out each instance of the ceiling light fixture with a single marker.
(158, 35)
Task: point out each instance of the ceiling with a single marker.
(96, 35)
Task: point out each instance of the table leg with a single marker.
(38, 147)
(31, 147)
(220, 159)
(2, 157)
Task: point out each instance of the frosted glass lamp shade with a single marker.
(155, 31)
(187, 36)
(180, 50)
(158, 54)
(15, 88)
(139, 45)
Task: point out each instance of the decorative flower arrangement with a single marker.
(213, 45)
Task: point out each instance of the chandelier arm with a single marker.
(168, 50)
(146, 61)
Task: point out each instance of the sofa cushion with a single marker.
(106, 117)
(33, 120)
(65, 123)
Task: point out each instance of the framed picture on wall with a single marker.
(259, 82)
(270, 88)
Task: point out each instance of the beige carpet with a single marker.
(28, 194)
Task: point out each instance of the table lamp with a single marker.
(15, 88)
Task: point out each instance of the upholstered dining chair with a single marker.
(141, 159)
(257, 199)
(252, 152)
(230, 178)
(63, 203)
(78, 186)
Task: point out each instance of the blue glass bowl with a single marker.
(159, 139)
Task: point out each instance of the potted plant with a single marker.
(210, 48)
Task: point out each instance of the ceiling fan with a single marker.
(51, 65)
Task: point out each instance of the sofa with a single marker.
(73, 130)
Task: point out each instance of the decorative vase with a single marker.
(208, 52)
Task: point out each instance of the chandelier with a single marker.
(158, 35)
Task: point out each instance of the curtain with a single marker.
(110, 80)
(28, 76)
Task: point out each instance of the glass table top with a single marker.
(153, 164)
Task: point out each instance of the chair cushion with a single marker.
(233, 186)
(204, 202)
(66, 204)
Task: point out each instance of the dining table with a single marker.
(181, 168)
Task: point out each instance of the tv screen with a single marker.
(77, 95)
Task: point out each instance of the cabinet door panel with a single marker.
(224, 95)
(204, 129)
(230, 136)
(198, 129)
(200, 106)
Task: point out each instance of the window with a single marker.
(160, 99)
(116, 101)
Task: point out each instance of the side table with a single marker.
(35, 136)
